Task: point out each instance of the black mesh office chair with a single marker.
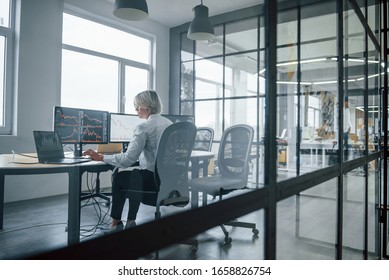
(171, 169)
(233, 165)
(172, 162)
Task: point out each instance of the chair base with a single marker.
(193, 243)
(97, 195)
(228, 239)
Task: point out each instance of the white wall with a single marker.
(38, 83)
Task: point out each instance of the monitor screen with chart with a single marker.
(81, 126)
(121, 127)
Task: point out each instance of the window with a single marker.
(220, 76)
(6, 47)
(96, 79)
(102, 72)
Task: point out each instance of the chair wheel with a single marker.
(228, 240)
(256, 232)
(193, 249)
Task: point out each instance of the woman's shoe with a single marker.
(130, 224)
(118, 227)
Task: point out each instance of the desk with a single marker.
(200, 159)
(323, 145)
(31, 166)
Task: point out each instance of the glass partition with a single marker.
(318, 99)
(287, 57)
(354, 50)
(306, 224)
(353, 214)
(373, 226)
(223, 83)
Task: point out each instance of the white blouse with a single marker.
(143, 145)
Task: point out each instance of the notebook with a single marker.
(49, 149)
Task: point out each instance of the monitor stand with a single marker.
(77, 150)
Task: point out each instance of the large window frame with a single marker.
(7, 35)
(125, 90)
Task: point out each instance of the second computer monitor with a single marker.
(122, 127)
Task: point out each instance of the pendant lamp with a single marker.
(201, 28)
(131, 9)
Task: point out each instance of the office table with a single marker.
(20, 165)
(318, 145)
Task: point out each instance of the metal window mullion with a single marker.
(7, 90)
(385, 127)
(129, 62)
(121, 87)
(340, 50)
(257, 144)
(298, 132)
(270, 172)
(224, 78)
(366, 164)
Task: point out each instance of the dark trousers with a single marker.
(136, 185)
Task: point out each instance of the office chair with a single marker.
(171, 169)
(171, 166)
(204, 139)
(203, 142)
(233, 165)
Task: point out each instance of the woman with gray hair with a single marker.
(137, 184)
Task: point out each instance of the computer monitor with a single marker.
(121, 127)
(81, 126)
(179, 118)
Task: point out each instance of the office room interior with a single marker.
(272, 65)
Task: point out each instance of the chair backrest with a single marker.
(172, 163)
(204, 139)
(234, 151)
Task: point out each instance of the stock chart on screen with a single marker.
(122, 127)
(81, 125)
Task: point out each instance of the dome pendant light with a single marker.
(131, 9)
(201, 28)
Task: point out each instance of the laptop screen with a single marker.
(48, 145)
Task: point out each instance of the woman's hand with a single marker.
(93, 155)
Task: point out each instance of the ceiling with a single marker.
(176, 12)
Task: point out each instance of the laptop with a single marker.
(49, 149)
